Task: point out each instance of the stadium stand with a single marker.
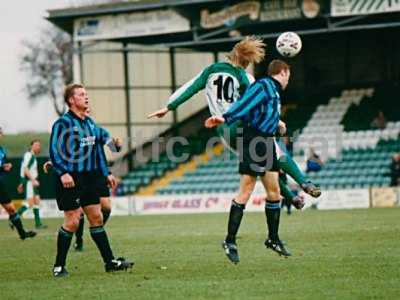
(359, 168)
(325, 124)
(363, 155)
(144, 174)
(359, 117)
(344, 123)
(217, 175)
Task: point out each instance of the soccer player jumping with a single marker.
(224, 83)
(78, 166)
(259, 109)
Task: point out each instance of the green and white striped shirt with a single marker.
(29, 161)
(223, 84)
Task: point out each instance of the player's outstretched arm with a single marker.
(159, 113)
(214, 121)
(184, 93)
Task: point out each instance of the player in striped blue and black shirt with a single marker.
(259, 107)
(108, 180)
(259, 110)
(79, 168)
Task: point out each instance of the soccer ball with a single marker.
(288, 44)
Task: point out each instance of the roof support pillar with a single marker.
(127, 104)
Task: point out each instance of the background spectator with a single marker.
(379, 122)
(314, 162)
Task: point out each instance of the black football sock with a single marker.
(273, 213)
(79, 231)
(99, 236)
(63, 243)
(106, 215)
(16, 221)
(235, 218)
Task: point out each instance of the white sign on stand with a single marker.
(129, 25)
(344, 199)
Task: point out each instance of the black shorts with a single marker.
(86, 191)
(258, 154)
(4, 197)
(104, 190)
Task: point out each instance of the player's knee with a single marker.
(71, 224)
(274, 193)
(95, 219)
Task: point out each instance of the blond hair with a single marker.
(249, 50)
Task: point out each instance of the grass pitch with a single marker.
(349, 254)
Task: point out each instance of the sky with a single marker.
(19, 20)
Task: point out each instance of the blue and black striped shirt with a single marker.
(3, 157)
(259, 106)
(74, 145)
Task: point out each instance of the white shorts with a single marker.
(30, 191)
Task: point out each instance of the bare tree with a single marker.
(47, 63)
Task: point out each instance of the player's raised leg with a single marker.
(289, 166)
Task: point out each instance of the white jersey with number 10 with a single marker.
(223, 84)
